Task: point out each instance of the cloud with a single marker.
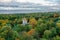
(55, 1)
(14, 8)
(42, 2)
(44, 5)
(5, 1)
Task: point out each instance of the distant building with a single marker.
(24, 21)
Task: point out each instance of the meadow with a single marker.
(41, 26)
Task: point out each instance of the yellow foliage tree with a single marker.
(17, 39)
(32, 21)
(3, 22)
(2, 38)
(58, 25)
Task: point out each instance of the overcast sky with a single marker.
(43, 2)
(54, 3)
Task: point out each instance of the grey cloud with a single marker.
(55, 1)
(37, 7)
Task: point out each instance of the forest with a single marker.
(40, 26)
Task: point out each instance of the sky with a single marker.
(43, 2)
(54, 4)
